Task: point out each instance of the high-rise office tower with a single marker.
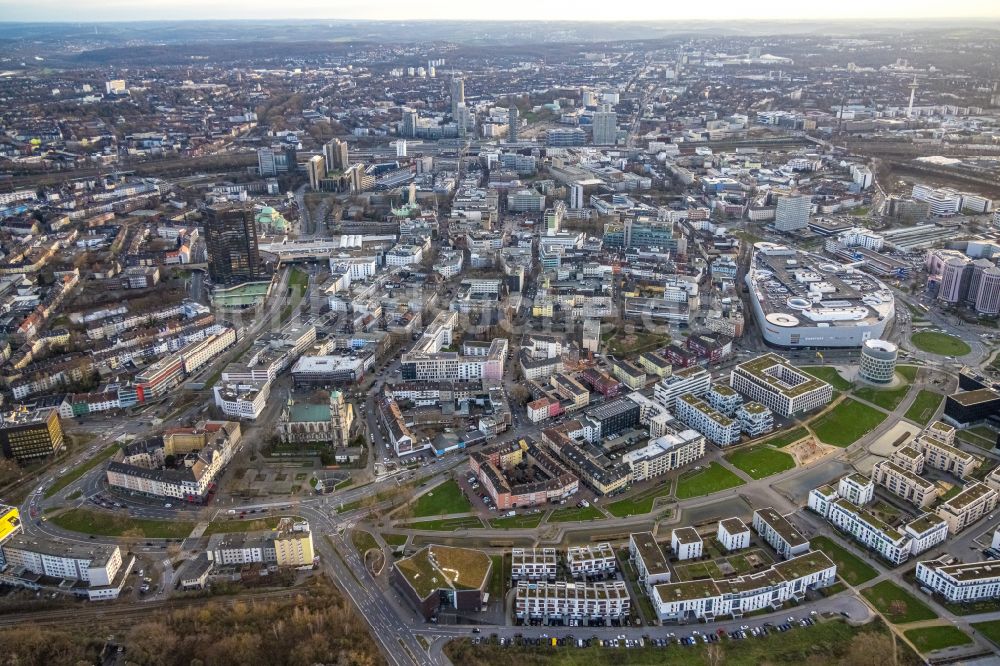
(231, 237)
(955, 278)
(513, 124)
(605, 126)
(792, 212)
(988, 298)
(336, 155)
(457, 95)
(316, 170)
(409, 129)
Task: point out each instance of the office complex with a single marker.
(439, 578)
(792, 212)
(605, 126)
(231, 237)
(30, 433)
(878, 361)
(777, 384)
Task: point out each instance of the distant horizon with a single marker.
(515, 11)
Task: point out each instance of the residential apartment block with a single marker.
(779, 533)
(670, 451)
(648, 558)
(694, 381)
(592, 602)
(533, 564)
(591, 560)
(716, 426)
(709, 599)
(940, 454)
(975, 501)
(685, 543)
(961, 583)
(904, 483)
(733, 534)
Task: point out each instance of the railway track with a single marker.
(131, 613)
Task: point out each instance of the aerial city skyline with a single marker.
(657, 336)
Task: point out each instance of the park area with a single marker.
(829, 375)
(712, 479)
(896, 604)
(929, 639)
(849, 566)
(846, 423)
(923, 407)
(760, 461)
(942, 344)
(120, 525)
(441, 500)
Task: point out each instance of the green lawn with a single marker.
(923, 407)
(760, 461)
(974, 439)
(940, 343)
(712, 479)
(829, 375)
(575, 514)
(788, 437)
(78, 471)
(439, 500)
(116, 525)
(929, 639)
(849, 566)
(394, 539)
(898, 605)
(516, 522)
(252, 525)
(639, 503)
(909, 372)
(445, 524)
(846, 423)
(887, 399)
(363, 541)
(989, 629)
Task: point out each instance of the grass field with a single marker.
(445, 524)
(846, 423)
(924, 406)
(78, 471)
(887, 399)
(788, 437)
(909, 372)
(760, 461)
(940, 343)
(639, 503)
(929, 639)
(829, 375)
(898, 605)
(974, 439)
(711, 479)
(363, 541)
(989, 629)
(516, 522)
(252, 525)
(394, 539)
(849, 566)
(574, 514)
(440, 500)
(823, 643)
(116, 525)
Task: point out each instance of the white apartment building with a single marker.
(591, 560)
(596, 602)
(755, 419)
(695, 381)
(904, 483)
(707, 600)
(242, 400)
(97, 565)
(856, 489)
(685, 543)
(961, 583)
(779, 533)
(865, 528)
(945, 457)
(648, 558)
(717, 427)
(908, 458)
(733, 534)
(533, 564)
(965, 508)
(772, 381)
(670, 451)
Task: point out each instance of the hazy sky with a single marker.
(654, 10)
